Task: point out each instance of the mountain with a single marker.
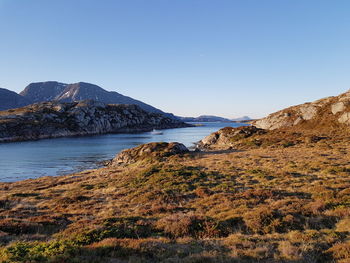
(10, 99)
(326, 113)
(211, 118)
(204, 118)
(56, 119)
(56, 91)
(244, 118)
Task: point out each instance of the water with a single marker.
(32, 159)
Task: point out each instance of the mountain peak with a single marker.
(57, 91)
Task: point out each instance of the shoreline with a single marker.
(88, 134)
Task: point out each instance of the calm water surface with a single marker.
(23, 160)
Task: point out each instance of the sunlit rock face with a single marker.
(333, 109)
(54, 119)
(227, 137)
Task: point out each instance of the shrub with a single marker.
(343, 225)
(202, 192)
(128, 227)
(341, 251)
(38, 251)
(288, 250)
(190, 225)
(262, 220)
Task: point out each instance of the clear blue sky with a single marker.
(189, 57)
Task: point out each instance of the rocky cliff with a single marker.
(331, 112)
(54, 119)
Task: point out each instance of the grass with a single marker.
(268, 202)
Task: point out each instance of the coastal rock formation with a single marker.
(154, 151)
(54, 119)
(227, 137)
(331, 110)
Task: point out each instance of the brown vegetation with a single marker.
(286, 199)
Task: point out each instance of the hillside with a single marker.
(54, 119)
(323, 119)
(266, 204)
(56, 91)
(325, 113)
(251, 195)
(10, 99)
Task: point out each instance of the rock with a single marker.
(149, 151)
(308, 111)
(316, 112)
(338, 107)
(345, 118)
(227, 137)
(54, 119)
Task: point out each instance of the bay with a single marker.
(51, 157)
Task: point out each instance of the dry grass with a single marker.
(266, 203)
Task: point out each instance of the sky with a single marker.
(189, 57)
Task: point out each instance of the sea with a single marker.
(60, 156)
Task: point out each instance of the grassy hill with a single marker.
(261, 203)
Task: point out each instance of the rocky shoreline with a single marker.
(252, 195)
(54, 119)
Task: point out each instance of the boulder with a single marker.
(227, 137)
(345, 118)
(149, 151)
(338, 107)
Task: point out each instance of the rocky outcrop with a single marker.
(149, 151)
(53, 119)
(226, 138)
(331, 110)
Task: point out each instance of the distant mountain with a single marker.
(10, 100)
(56, 91)
(244, 118)
(210, 118)
(43, 91)
(204, 118)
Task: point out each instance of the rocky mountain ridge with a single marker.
(54, 119)
(62, 92)
(56, 91)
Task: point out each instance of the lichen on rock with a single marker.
(149, 151)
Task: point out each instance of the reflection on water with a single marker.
(23, 160)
